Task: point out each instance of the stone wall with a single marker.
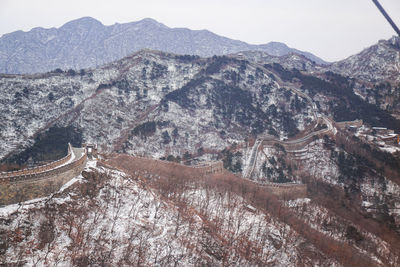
(284, 190)
(211, 168)
(289, 191)
(202, 169)
(39, 169)
(344, 124)
(288, 146)
(21, 188)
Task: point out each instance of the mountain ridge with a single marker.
(86, 42)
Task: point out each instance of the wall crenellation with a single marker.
(205, 168)
(38, 169)
(285, 190)
(41, 181)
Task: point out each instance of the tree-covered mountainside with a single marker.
(114, 105)
(347, 105)
(200, 98)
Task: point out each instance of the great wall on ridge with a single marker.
(41, 181)
(27, 184)
(282, 190)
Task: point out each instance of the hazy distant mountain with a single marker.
(86, 42)
(377, 63)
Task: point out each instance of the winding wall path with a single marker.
(295, 143)
(41, 181)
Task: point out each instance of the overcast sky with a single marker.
(331, 29)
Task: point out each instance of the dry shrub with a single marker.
(264, 200)
(94, 182)
(46, 233)
(7, 167)
(81, 261)
(175, 178)
(358, 148)
(333, 198)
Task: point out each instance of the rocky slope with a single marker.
(376, 71)
(111, 218)
(153, 103)
(288, 61)
(86, 42)
(167, 216)
(378, 63)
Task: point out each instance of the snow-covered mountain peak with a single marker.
(84, 21)
(380, 62)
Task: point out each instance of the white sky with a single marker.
(331, 29)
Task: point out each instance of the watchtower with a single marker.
(91, 150)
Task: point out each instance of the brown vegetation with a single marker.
(8, 167)
(348, 205)
(174, 179)
(371, 156)
(333, 198)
